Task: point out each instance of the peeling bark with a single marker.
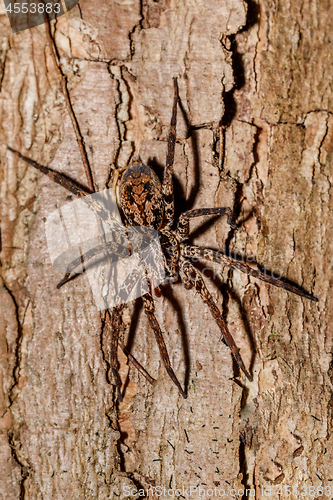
(255, 133)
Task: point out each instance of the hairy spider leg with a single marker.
(215, 256)
(56, 177)
(71, 186)
(192, 277)
(132, 280)
(167, 186)
(149, 307)
(117, 251)
(183, 229)
(137, 365)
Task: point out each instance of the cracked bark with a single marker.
(271, 159)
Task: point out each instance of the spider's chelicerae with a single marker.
(145, 201)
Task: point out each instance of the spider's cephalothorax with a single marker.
(147, 202)
(142, 203)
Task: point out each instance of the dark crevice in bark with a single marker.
(11, 397)
(16, 368)
(118, 104)
(237, 65)
(105, 354)
(25, 472)
(243, 469)
(135, 27)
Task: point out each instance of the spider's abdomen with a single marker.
(140, 193)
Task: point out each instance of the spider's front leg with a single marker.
(92, 202)
(167, 186)
(56, 177)
(149, 307)
(191, 277)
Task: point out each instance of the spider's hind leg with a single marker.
(191, 276)
(148, 303)
(263, 275)
(130, 282)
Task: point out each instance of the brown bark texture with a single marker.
(255, 133)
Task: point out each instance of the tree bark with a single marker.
(254, 132)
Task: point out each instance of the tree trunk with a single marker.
(255, 133)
